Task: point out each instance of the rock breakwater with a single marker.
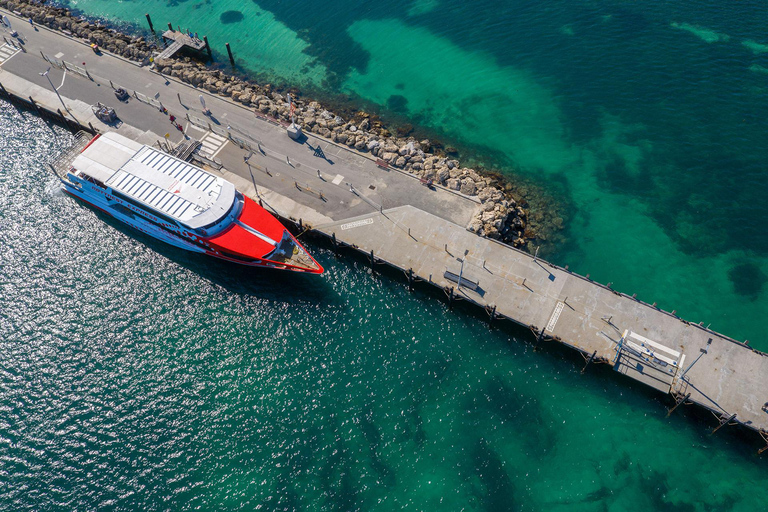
(500, 216)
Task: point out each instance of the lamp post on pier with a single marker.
(703, 351)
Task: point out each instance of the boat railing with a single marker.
(62, 162)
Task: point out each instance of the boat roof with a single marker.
(159, 181)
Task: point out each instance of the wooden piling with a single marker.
(723, 422)
(451, 297)
(207, 47)
(335, 245)
(591, 358)
(63, 118)
(149, 20)
(410, 279)
(491, 315)
(229, 51)
(680, 400)
(170, 27)
(37, 109)
(373, 263)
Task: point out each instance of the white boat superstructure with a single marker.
(177, 202)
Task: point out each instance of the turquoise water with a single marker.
(136, 378)
(133, 377)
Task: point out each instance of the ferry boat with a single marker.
(176, 202)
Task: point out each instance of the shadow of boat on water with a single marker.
(270, 284)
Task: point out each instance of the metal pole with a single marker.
(703, 351)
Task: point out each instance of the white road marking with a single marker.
(356, 224)
(338, 179)
(212, 144)
(6, 52)
(555, 316)
(62, 80)
(59, 55)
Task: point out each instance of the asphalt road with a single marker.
(289, 162)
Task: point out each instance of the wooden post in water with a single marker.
(680, 400)
(723, 422)
(170, 27)
(64, 119)
(491, 315)
(207, 47)
(591, 358)
(450, 298)
(229, 51)
(373, 264)
(149, 20)
(37, 109)
(410, 279)
(335, 245)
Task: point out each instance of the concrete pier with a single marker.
(390, 218)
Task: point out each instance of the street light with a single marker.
(54, 88)
(703, 351)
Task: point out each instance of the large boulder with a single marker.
(468, 187)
